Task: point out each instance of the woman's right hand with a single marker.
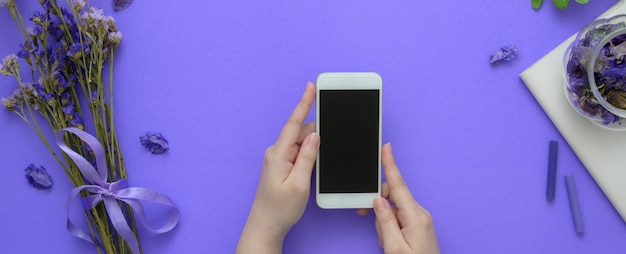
(406, 227)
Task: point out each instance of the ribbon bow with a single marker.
(110, 193)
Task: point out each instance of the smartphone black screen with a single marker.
(349, 131)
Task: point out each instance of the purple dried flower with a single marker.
(74, 49)
(69, 108)
(24, 54)
(154, 142)
(77, 120)
(46, 5)
(38, 177)
(38, 17)
(119, 5)
(62, 80)
(34, 31)
(65, 97)
(47, 97)
(609, 118)
(506, 53)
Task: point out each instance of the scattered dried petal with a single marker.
(506, 53)
(38, 177)
(119, 5)
(155, 143)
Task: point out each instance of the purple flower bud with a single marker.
(154, 142)
(69, 109)
(34, 31)
(38, 177)
(61, 79)
(66, 95)
(77, 120)
(506, 53)
(74, 49)
(38, 17)
(24, 54)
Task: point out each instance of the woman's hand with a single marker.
(406, 227)
(285, 183)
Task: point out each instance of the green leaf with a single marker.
(537, 4)
(561, 4)
(582, 1)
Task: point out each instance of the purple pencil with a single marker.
(551, 187)
(573, 204)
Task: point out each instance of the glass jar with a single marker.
(595, 72)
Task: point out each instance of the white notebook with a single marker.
(603, 152)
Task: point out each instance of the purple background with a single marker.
(220, 78)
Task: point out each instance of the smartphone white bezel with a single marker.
(348, 81)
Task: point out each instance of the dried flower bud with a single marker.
(4, 70)
(10, 61)
(78, 5)
(115, 37)
(8, 104)
(7, 3)
(38, 177)
(93, 16)
(110, 21)
(154, 142)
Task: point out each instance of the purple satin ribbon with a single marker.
(110, 193)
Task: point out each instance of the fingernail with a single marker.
(312, 140)
(380, 204)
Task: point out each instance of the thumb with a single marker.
(388, 223)
(303, 167)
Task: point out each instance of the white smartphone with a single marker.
(349, 122)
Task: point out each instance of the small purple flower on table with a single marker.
(506, 53)
(155, 143)
(119, 5)
(38, 177)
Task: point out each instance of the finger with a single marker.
(380, 236)
(305, 131)
(291, 131)
(385, 190)
(398, 191)
(303, 167)
(388, 224)
(384, 194)
(363, 211)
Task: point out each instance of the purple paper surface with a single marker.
(219, 79)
